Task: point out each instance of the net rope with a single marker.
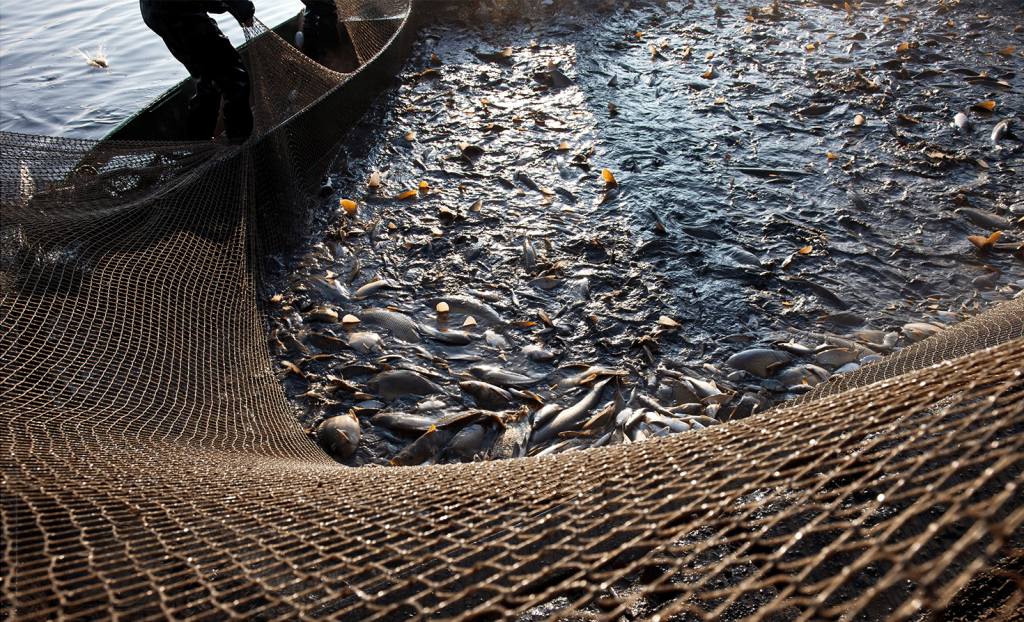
(152, 468)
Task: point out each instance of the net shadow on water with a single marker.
(152, 467)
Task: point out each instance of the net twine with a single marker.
(152, 468)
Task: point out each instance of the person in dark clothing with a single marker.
(193, 38)
(319, 27)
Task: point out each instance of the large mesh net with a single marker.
(152, 468)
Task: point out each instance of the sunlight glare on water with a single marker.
(48, 87)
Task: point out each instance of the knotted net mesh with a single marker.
(152, 468)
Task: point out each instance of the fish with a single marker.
(374, 287)
(468, 306)
(495, 340)
(848, 368)
(857, 200)
(365, 342)
(322, 314)
(546, 282)
(332, 288)
(870, 335)
(471, 442)
(487, 395)
(501, 377)
(428, 446)
(537, 353)
(403, 422)
(26, 183)
(504, 56)
(961, 122)
(512, 441)
(591, 373)
(552, 449)
(836, 357)
(354, 369)
(339, 435)
(527, 181)
(559, 79)
(326, 342)
(800, 374)
(545, 414)
(657, 420)
(798, 349)
(605, 416)
(758, 361)
(430, 404)
(400, 326)
(984, 219)
(393, 384)
(1000, 130)
(701, 388)
(571, 417)
(529, 256)
(451, 337)
(916, 331)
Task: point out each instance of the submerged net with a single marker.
(153, 469)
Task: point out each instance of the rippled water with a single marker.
(47, 86)
(693, 233)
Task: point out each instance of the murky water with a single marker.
(770, 172)
(47, 86)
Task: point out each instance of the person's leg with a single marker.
(224, 67)
(215, 66)
(319, 27)
(191, 38)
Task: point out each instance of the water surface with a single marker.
(47, 86)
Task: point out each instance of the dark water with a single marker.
(686, 234)
(47, 86)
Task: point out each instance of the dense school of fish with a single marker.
(474, 298)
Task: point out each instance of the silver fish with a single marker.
(429, 446)
(501, 377)
(403, 422)
(799, 375)
(400, 326)
(451, 337)
(961, 122)
(758, 361)
(537, 353)
(511, 442)
(487, 395)
(984, 219)
(836, 357)
(590, 373)
(529, 256)
(472, 441)
(340, 435)
(571, 417)
(374, 287)
(545, 414)
(332, 288)
(393, 384)
(703, 389)
(1000, 130)
(468, 306)
(365, 342)
(495, 340)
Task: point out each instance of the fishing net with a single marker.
(152, 468)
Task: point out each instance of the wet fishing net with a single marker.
(153, 469)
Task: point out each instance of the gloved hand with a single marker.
(242, 10)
